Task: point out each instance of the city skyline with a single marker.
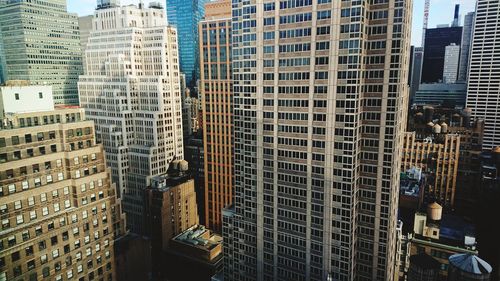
(250, 140)
(87, 7)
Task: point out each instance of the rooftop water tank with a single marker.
(428, 113)
(423, 268)
(468, 267)
(434, 211)
(183, 165)
(444, 128)
(436, 129)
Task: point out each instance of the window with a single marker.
(40, 95)
(15, 256)
(12, 188)
(19, 219)
(16, 95)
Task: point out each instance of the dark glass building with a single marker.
(436, 40)
(185, 15)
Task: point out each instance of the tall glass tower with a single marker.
(320, 99)
(185, 15)
(40, 42)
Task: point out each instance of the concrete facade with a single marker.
(131, 89)
(40, 43)
(484, 73)
(60, 212)
(320, 99)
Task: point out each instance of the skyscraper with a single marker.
(60, 212)
(484, 73)
(131, 89)
(456, 16)
(216, 93)
(465, 47)
(317, 138)
(436, 40)
(40, 42)
(416, 71)
(451, 62)
(185, 15)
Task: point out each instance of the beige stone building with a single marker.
(437, 157)
(59, 212)
(217, 97)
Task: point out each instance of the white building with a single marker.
(131, 89)
(451, 61)
(20, 98)
(484, 71)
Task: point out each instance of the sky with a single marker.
(441, 12)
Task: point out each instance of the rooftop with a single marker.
(172, 178)
(199, 237)
(411, 182)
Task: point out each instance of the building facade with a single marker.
(60, 212)
(451, 62)
(484, 78)
(170, 204)
(40, 42)
(131, 89)
(85, 27)
(317, 138)
(436, 40)
(216, 95)
(438, 157)
(416, 72)
(185, 15)
(441, 94)
(463, 69)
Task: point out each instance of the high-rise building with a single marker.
(456, 16)
(437, 155)
(85, 26)
(484, 74)
(40, 42)
(416, 71)
(216, 94)
(131, 89)
(185, 15)
(317, 138)
(463, 69)
(436, 40)
(451, 61)
(60, 212)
